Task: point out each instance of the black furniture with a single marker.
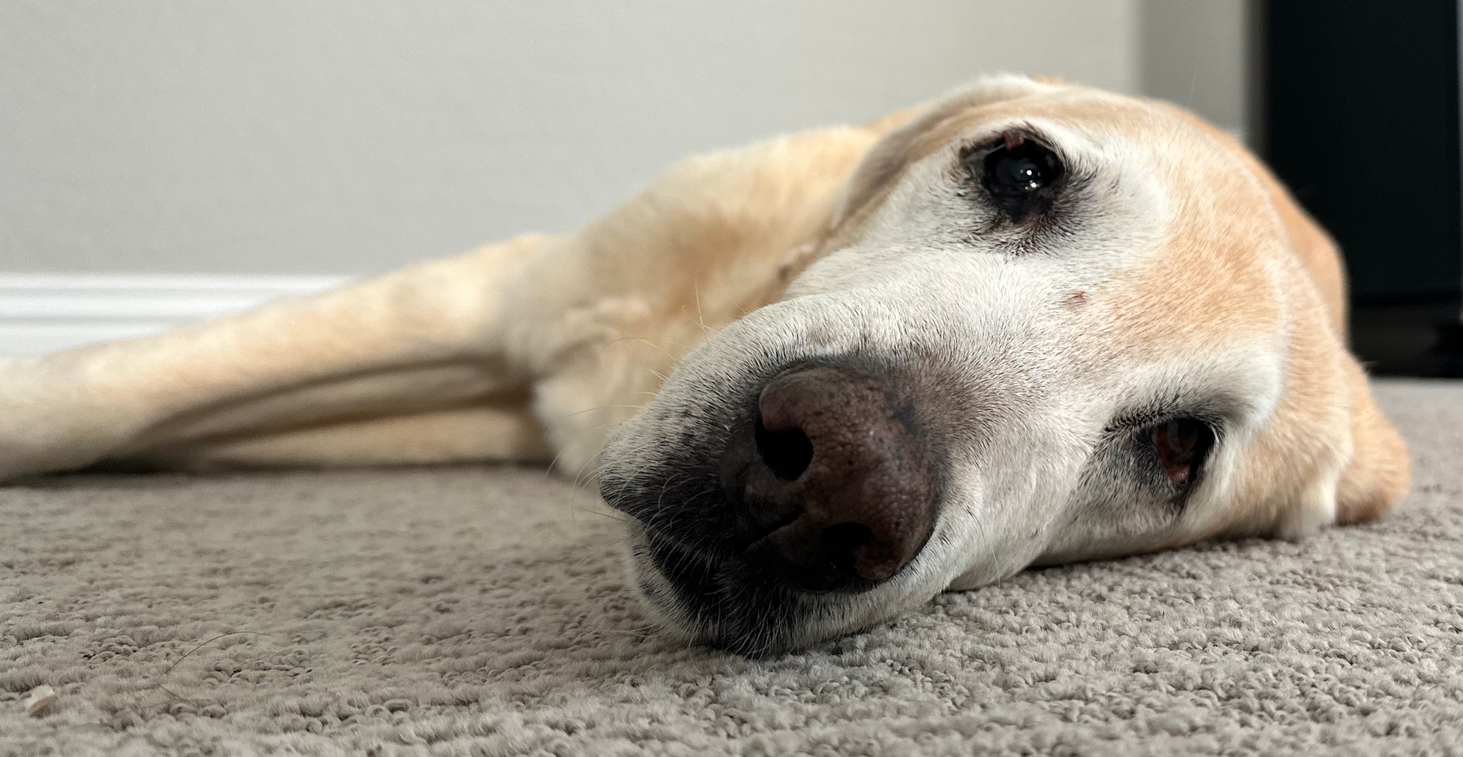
(1360, 117)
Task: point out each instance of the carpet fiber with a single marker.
(484, 611)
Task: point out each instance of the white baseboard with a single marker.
(42, 313)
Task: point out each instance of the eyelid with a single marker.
(980, 147)
(1146, 418)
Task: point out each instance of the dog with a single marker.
(825, 376)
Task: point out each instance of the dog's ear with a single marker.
(1379, 473)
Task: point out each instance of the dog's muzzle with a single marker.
(817, 483)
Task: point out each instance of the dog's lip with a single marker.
(732, 548)
(720, 561)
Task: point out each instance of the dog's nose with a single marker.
(835, 477)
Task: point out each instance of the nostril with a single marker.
(842, 541)
(787, 453)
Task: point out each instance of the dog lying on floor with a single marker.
(1028, 324)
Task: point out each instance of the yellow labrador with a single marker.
(1030, 323)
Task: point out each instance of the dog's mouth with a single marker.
(723, 602)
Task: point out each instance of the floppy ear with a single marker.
(1378, 475)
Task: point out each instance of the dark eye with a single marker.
(1019, 174)
(1181, 445)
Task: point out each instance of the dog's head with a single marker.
(1047, 324)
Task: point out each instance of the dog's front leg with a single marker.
(391, 369)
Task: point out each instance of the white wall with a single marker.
(351, 136)
(1195, 53)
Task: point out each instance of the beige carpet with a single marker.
(472, 611)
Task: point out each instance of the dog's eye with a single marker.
(1018, 173)
(1181, 445)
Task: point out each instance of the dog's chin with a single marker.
(726, 603)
